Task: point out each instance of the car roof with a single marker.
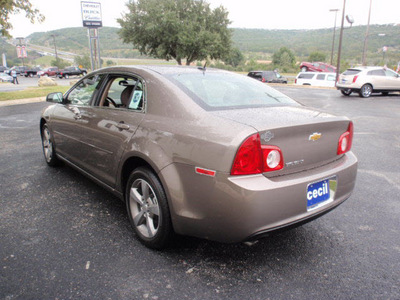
(163, 70)
(361, 68)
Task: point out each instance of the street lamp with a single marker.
(351, 21)
(334, 32)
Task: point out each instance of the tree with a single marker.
(9, 7)
(317, 56)
(83, 61)
(176, 29)
(59, 63)
(284, 59)
(234, 57)
(110, 63)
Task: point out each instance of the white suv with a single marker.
(368, 80)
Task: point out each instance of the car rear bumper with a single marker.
(237, 208)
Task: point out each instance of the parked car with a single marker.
(317, 67)
(71, 71)
(52, 71)
(268, 76)
(2, 68)
(19, 69)
(31, 72)
(368, 80)
(316, 79)
(5, 78)
(205, 153)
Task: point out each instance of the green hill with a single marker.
(255, 43)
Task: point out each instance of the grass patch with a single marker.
(32, 92)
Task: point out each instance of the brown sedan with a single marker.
(201, 152)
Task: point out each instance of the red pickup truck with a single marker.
(52, 71)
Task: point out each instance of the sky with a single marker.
(264, 14)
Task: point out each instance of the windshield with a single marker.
(214, 90)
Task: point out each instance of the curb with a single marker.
(22, 101)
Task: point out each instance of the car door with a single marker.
(67, 122)
(393, 80)
(110, 123)
(378, 79)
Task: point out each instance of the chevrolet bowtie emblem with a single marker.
(315, 136)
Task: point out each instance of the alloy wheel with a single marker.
(144, 208)
(47, 145)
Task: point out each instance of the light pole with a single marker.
(364, 60)
(334, 32)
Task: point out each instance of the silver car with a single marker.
(200, 152)
(368, 80)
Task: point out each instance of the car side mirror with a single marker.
(55, 97)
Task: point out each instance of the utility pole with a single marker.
(55, 47)
(334, 33)
(340, 42)
(364, 57)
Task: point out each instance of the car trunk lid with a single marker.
(307, 138)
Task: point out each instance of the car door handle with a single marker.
(122, 126)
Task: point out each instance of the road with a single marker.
(25, 82)
(64, 237)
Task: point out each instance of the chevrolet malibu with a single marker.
(200, 152)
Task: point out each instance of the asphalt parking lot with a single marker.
(64, 237)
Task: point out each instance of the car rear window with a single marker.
(214, 91)
(351, 72)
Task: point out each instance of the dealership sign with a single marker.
(21, 51)
(91, 14)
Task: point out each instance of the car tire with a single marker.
(66, 76)
(346, 92)
(84, 73)
(304, 69)
(365, 91)
(150, 218)
(46, 75)
(48, 147)
(30, 75)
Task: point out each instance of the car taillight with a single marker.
(355, 78)
(254, 158)
(263, 79)
(272, 158)
(295, 81)
(346, 140)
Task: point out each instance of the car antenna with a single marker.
(203, 68)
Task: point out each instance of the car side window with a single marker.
(377, 73)
(320, 76)
(123, 92)
(331, 78)
(390, 73)
(85, 91)
(306, 76)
